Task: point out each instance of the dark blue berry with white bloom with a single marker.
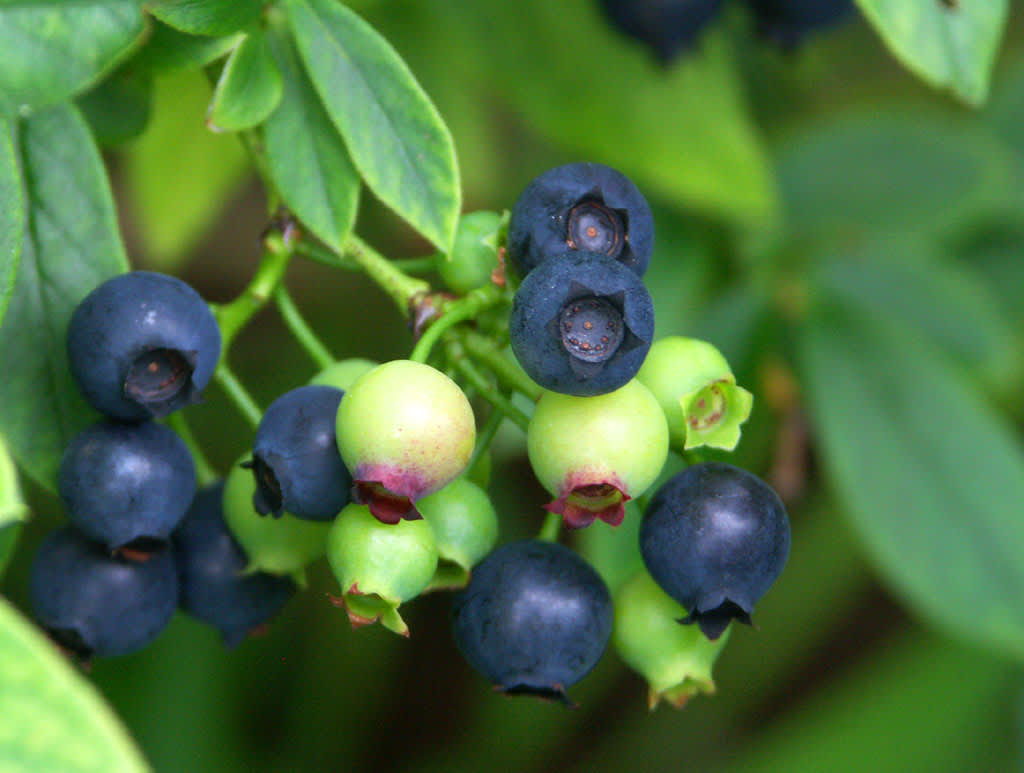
(715, 537)
(581, 324)
(295, 456)
(583, 206)
(126, 483)
(534, 619)
(214, 586)
(142, 345)
(95, 604)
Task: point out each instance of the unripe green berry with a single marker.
(282, 545)
(675, 659)
(379, 565)
(465, 528)
(404, 430)
(594, 453)
(475, 252)
(697, 390)
(343, 373)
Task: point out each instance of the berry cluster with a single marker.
(380, 467)
(672, 27)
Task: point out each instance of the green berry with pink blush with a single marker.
(404, 430)
(595, 453)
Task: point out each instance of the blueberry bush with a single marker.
(381, 381)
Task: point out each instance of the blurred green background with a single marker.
(851, 239)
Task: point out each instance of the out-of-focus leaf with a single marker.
(307, 158)
(180, 175)
(13, 509)
(52, 50)
(887, 170)
(931, 478)
(54, 719)
(168, 49)
(1005, 114)
(949, 43)
(396, 138)
(683, 132)
(920, 705)
(118, 108)
(937, 298)
(12, 214)
(70, 245)
(249, 88)
(206, 17)
(997, 258)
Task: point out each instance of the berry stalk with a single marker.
(299, 328)
(452, 313)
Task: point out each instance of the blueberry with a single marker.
(581, 324)
(584, 206)
(126, 484)
(669, 27)
(214, 586)
(94, 604)
(142, 345)
(535, 618)
(295, 457)
(788, 22)
(715, 537)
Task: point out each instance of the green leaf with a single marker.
(951, 45)
(684, 132)
(308, 160)
(54, 719)
(181, 176)
(931, 478)
(168, 49)
(924, 295)
(70, 245)
(118, 108)
(207, 17)
(53, 50)
(249, 88)
(891, 169)
(395, 136)
(11, 215)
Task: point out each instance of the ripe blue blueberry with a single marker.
(214, 586)
(584, 206)
(715, 537)
(669, 27)
(126, 484)
(94, 604)
(581, 324)
(142, 345)
(788, 22)
(295, 457)
(534, 619)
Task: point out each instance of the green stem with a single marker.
(418, 266)
(552, 525)
(396, 283)
(232, 317)
(485, 436)
(509, 373)
(238, 394)
(205, 474)
(469, 372)
(692, 457)
(320, 254)
(300, 328)
(452, 314)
